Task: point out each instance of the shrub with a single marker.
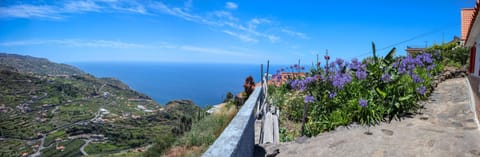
(366, 92)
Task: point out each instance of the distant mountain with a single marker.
(52, 109)
(41, 66)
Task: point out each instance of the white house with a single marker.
(473, 40)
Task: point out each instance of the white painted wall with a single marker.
(477, 58)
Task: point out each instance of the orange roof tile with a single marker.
(474, 16)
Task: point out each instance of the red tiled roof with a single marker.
(475, 14)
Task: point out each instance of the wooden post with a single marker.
(303, 118)
(261, 73)
(268, 67)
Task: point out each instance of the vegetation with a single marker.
(203, 133)
(71, 148)
(451, 54)
(44, 100)
(38, 66)
(365, 92)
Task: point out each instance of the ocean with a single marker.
(204, 84)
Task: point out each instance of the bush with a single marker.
(366, 92)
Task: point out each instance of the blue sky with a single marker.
(216, 31)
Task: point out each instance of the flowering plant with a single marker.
(368, 91)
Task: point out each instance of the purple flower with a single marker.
(309, 80)
(416, 78)
(340, 80)
(318, 64)
(386, 78)
(395, 64)
(294, 83)
(332, 65)
(355, 61)
(430, 67)
(361, 74)
(339, 62)
(301, 85)
(355, 65)
(303, 67)
(309, 99)
(332, 95)
(363, 102)
(421, 90)
(326, 57)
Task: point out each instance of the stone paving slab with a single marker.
(445, 129)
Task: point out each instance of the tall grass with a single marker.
(203, 133)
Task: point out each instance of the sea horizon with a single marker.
(203, 83)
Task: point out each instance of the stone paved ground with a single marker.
(445, 129)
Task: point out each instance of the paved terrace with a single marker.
(447, 128)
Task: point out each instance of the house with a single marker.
(283, 77)
(414, 50)
(472, 37)
(472, 41)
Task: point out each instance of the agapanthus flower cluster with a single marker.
(386, 78)
(332, 95)
(277, 77)
(309, 99)
(359, 68)
(421, 90)
(361, 74)
(301, 85)
(363, 102)
(339, 80)
(408, 64)
(339, 62)
(416, 78)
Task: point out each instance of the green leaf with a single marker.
(406, 97)
(397, 104)
(374, 52)
(382, 93)
(390, 54)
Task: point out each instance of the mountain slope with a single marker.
(56, 113)
(33, 65)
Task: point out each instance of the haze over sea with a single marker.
(204, 84)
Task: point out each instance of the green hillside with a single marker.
(67, 109)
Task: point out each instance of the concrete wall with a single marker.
(238, 138)
(475, 89)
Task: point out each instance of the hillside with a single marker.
(58, 110)
(33, 65)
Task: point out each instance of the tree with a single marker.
(229, 97)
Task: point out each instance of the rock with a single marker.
(274, 153)
(424, 117)
(387, 132)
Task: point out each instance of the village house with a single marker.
(283, 77)
(471, 36)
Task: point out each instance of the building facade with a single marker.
(472, 39)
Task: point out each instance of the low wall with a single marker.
(475, 85)
(238, 139)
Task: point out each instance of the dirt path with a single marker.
(82, 149)
(447, 128)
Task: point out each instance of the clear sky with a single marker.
(212, 31)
